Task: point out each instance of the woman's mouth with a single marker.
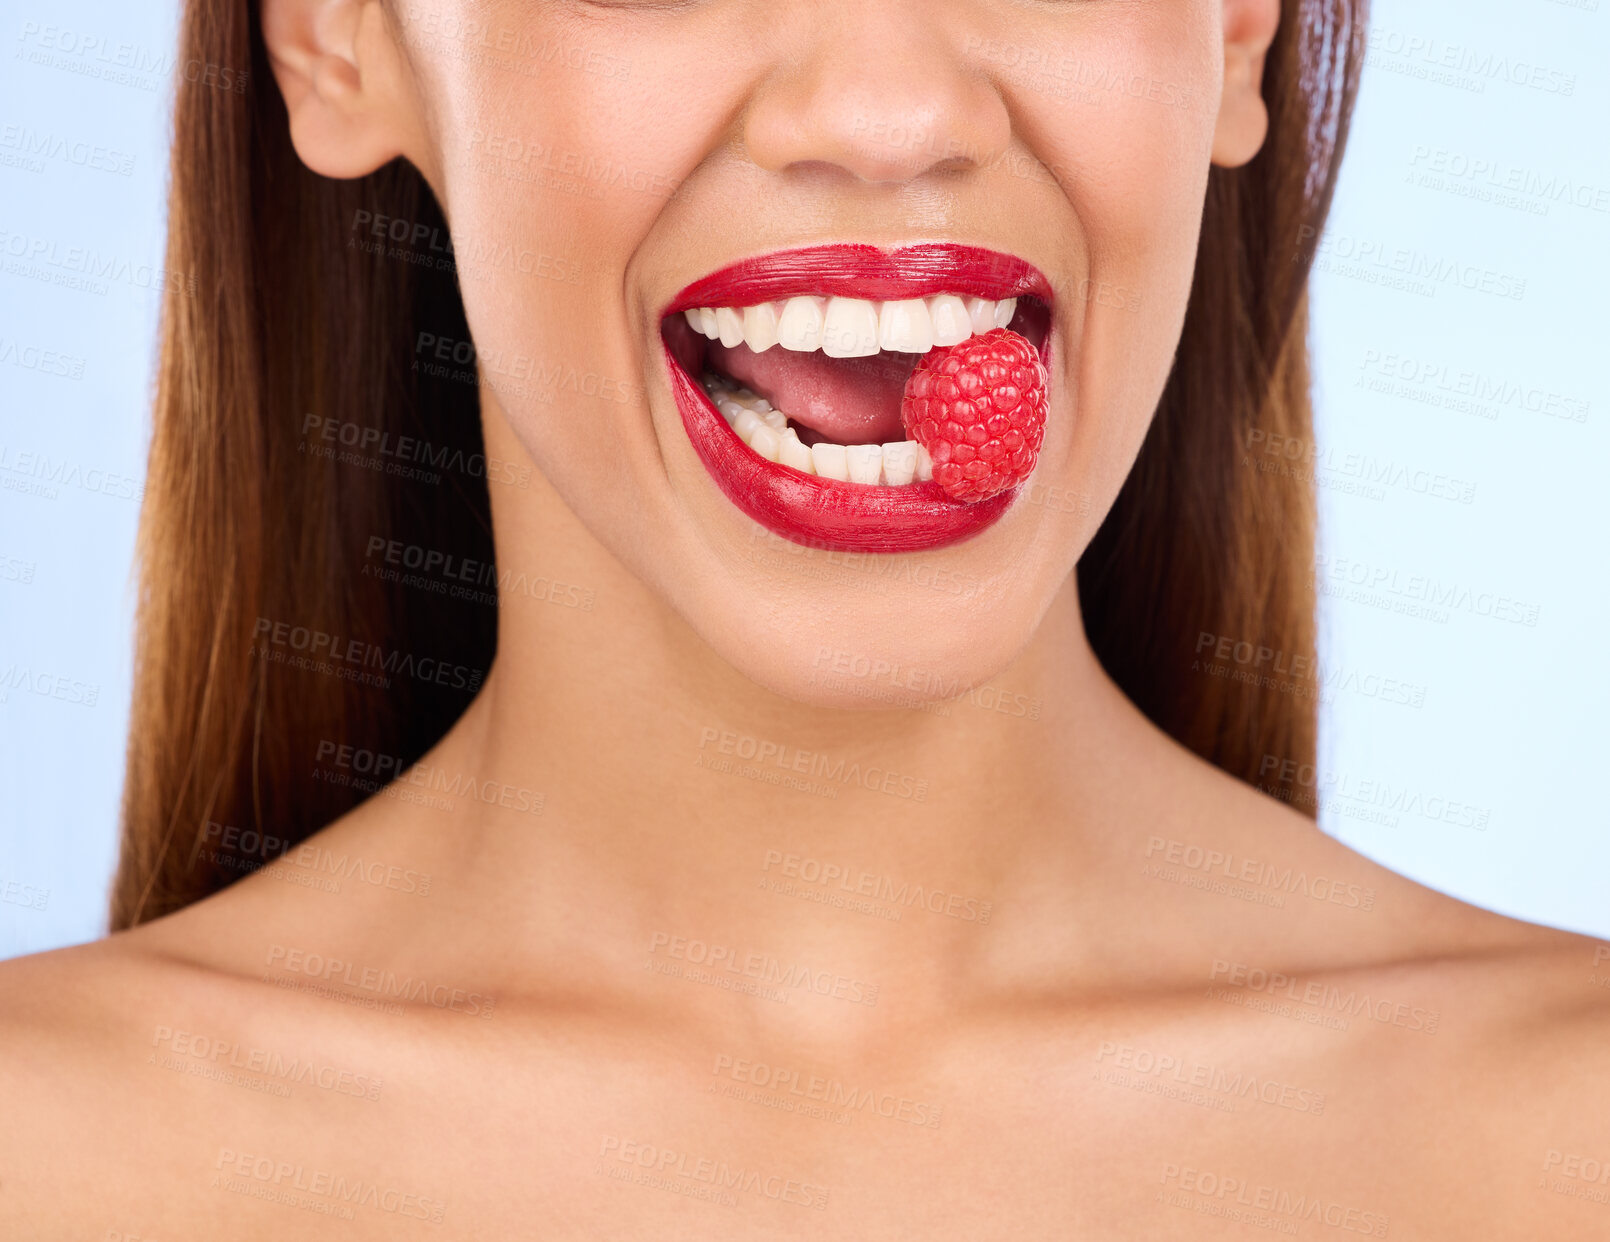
(789, 371)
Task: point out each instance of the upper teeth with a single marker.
(853, 327)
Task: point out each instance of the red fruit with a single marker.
(979, 410)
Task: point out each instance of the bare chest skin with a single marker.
(1114, 1055)
(235, 1111)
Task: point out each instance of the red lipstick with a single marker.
(809, 509)
(867, 272)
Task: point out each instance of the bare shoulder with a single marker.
(1540, 1005)
(1251, 877)
(1554, 1052)
(1510, 1086)
(134, 1068)
(76, 1028)
(67, 1004)
(1485, 1035)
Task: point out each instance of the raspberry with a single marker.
(979, 410)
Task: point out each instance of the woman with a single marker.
(820, 852)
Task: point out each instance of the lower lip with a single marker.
(824, 513)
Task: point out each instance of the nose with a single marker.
(878, 89)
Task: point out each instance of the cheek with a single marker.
(551, 180)
(1129, 136)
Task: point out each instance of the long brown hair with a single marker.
(289, 382)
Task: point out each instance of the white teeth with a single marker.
(766, 442)
(906, 327)
(951, 322)
(840, 327)
(800, 327)
(982, 313)
(899, 462)
(866, 462)
(769, 434)
(760, 327)
(729, 327)
(832, 461)
(794, 454)
(851, 328)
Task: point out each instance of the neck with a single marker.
(690, 803)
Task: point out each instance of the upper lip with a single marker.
(866, 271)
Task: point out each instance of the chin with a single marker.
(828, 672)
(896, 646)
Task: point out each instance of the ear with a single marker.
(351, 96)
(1249, 29)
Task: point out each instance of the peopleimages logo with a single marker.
(1439, 596)
(1381, 262)
(763, 968)
(473, 36)
(1187, 1071)
(1270, 668)
(461, 577)
(29, 896)
(36, 146)
(1365, 469)
(385, 983)
(1458, 64)
(812, 763)
(1479, 393)
(64, 472)
(371, 770)
(589, 169)
(878, 887)
(1287, 879)
(1304, 784)
(1349, 1001)
(44, 361)
(83, 267)
(665, 1162)
(1577, 1167)
(48, 685)
(285, 1176)
(308, 863)
(403, 455)
(190, 1049)
(784, 1081)
(1054, 65)
(1237, 1198)
(435, 355)
(321, 651)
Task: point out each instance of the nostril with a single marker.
(881, 102)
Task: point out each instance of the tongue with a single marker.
(845, 400)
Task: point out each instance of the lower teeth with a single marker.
(769, 434)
